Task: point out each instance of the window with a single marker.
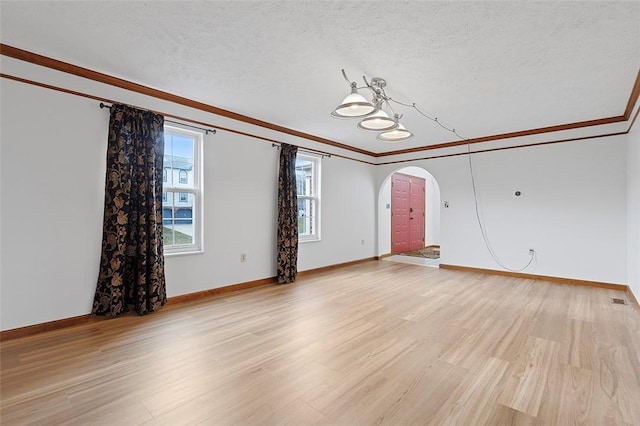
(182, 206)
(308, 187)
(164, 175)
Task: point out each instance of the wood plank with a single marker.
(375, 342)
(529, 379)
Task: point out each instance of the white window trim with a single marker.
(197, 210)
(316, 181)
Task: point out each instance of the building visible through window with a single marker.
(308, 189)
(182, 194)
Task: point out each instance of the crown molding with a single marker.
(44, 61)
(510, 135)
(66, 67)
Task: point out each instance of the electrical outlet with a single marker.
(243, 257)
(362, 242)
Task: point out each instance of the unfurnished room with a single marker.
(319, 213)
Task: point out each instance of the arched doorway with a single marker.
(386, 223)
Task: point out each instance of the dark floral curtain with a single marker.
(132, 263)
(287, 215)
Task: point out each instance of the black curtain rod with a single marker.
(322, 154)
(206, 131)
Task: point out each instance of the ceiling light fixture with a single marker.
(398, 134)
(375, 118)
(354, 105)
(378, 121)
(391, 131)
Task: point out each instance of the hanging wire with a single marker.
(483, 231)
(434, 119)
(482, 228)
(380, 95)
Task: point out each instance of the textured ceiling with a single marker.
(483, 68)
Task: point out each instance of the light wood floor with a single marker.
(375, 343)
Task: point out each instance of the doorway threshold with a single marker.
(433, 263)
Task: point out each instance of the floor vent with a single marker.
(618, 301)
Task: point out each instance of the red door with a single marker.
(407, 213)
(399, 213)
(416, 213)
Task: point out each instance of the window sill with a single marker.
(182, 253)
(309, 240)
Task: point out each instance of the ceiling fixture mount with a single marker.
(375, 118)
